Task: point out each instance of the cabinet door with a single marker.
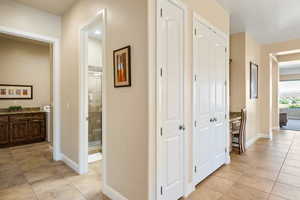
(18, 131)
(4, 131)
(37, 130)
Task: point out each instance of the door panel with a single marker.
(170, 58)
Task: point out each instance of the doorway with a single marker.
(51, 123)
(92, 92)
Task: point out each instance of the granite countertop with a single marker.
(23, 111)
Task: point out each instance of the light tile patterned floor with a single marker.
(29, 173)
(269, 170)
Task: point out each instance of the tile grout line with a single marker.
(279, 172)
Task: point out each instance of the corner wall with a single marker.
(127, 108)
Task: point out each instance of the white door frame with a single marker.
(198, 18)
(55, 84)
(186, 170)
(83, 95)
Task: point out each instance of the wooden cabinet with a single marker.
(4, 130)
(21, 129)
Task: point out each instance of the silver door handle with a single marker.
(211, 120)
(215, 119)
(182, 127)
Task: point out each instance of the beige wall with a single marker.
(252, 105)
(127, 118)
(267, 80)
(26, 63)
(243, 50)
(237, 72)
(24, 18)
(288, 57)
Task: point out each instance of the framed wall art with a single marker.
(15, 92)
(253, 81)
(122, 67)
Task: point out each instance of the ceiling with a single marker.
(291, 67)
(57, 7)
(267, 21)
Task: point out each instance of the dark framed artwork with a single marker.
(253, 81)
(122, 67)
(8, 92)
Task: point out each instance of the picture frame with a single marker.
(16, 92)
(122, 67)
(253, 80)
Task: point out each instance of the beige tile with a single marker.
(263, 173)
(286, 191)
(258, 183)
(274, 197)
(291, 162)
(289, 179)
(291, 170)
(243, 192)
(228, 174)
(217, 184)
(89, 185)
(65, 192)
(203, 193)
(21, 192)
(11, 180)
(49, 184)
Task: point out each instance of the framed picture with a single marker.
(122, 67)
(253, 81)
(15, 92)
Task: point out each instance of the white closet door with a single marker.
(171, 111)
(209, 135)
(219, 109)
(203, 135)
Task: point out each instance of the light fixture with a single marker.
(97, 32)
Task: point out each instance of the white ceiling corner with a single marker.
(265, 20)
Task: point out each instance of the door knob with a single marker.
(211, 120)
(182, 127)
(215, 119)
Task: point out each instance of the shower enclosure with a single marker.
(95, 109)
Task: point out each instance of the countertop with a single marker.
(24, 111)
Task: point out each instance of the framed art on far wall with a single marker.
(8, 92)
(253, 81)
(122, 67)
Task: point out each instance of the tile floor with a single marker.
(29, 173)
(269, 170)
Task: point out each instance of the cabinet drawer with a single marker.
(3, 118)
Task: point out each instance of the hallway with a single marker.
(269, 170)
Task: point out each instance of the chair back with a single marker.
(243, 129)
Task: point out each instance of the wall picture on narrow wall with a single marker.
(15, 92)
(253, 80)
(122, 67)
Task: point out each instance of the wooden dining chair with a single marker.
(240, 133)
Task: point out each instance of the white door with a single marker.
(170, 61)
(219, 107)
(209, 135)
(203, 134)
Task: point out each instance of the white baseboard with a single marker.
(189, 189)
(70, 163)
(254, 139)
(111, 193)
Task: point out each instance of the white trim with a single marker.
(186, 170)
(190, 188)
(72, 164)
(83, 103)
(95, 157)
(113, 194)
(56, 81)
(198, 18)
